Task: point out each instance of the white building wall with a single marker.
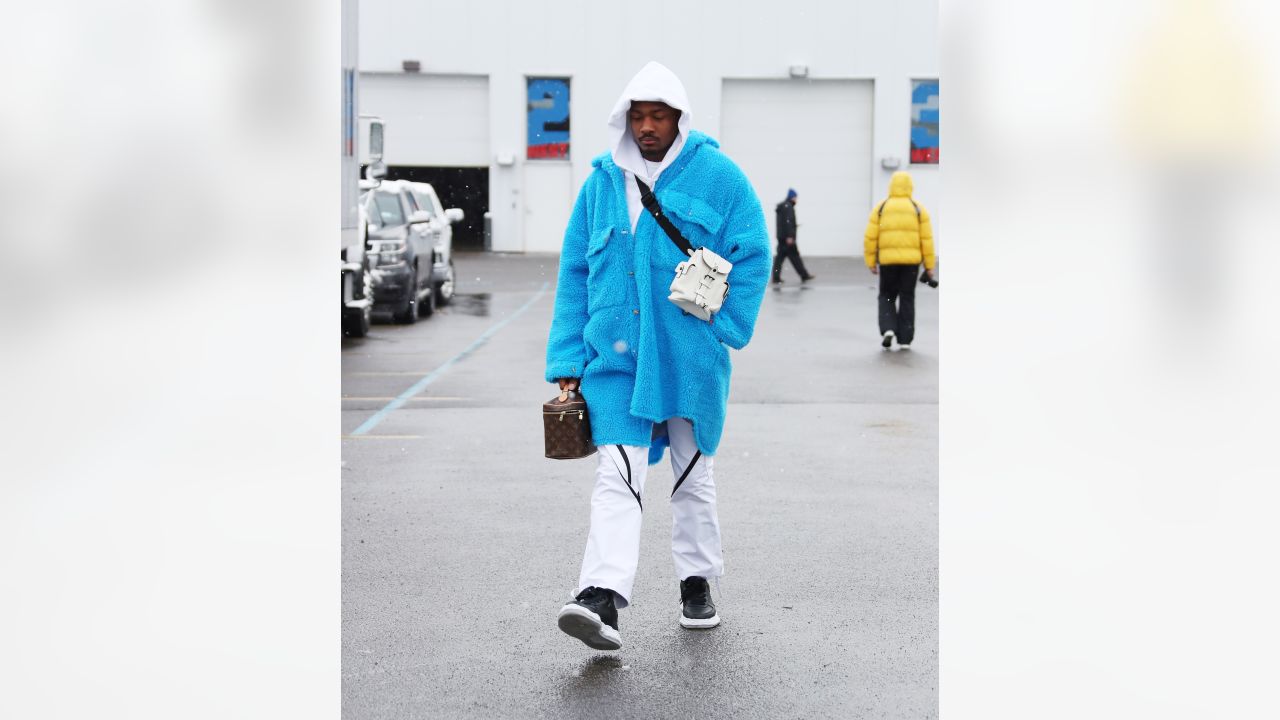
(600, 45)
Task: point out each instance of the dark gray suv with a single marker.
(400, 253)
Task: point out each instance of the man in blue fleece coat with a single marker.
(652, 374)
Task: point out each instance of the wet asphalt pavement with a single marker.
(461, 542)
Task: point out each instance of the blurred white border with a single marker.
(170, 521)
(1108, 382)
(169, 220)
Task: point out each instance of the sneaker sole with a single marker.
(585, 625)
(703, 624)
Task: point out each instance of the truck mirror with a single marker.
(375, 142)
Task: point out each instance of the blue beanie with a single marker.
(791, 192)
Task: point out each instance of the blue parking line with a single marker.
(432, 376)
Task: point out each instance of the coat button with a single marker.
(631, 273)
(635, 312)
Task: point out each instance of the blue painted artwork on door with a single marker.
(548, 118)
(924, 122)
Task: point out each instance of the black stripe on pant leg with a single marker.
(627, 479)
(634, 494)
(686, 472)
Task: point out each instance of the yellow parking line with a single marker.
(387, 374)
(413, 399)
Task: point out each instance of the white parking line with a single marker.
(422, 384)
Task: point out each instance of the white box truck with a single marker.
(357, 283)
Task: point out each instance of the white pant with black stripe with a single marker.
(613, 544)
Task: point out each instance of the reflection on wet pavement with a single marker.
(474, 304)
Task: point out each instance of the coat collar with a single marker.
(695, 141)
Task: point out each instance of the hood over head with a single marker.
(654, 83)
(900, 184)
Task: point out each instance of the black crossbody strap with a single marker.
(651, 204)
(880, 212)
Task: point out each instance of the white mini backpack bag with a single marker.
(702, 282)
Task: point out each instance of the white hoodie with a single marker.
(653, 83)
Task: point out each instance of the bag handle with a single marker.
(651, 204)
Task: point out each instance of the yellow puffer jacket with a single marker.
(895, 234)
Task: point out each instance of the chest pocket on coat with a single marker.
(696, 220)
(607, 254)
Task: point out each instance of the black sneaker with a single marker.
(592, 617)
(887, 340)
(699, 612)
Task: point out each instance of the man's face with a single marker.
(654, 125)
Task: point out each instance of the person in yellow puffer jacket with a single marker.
(899, 237)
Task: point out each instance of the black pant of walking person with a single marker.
(789, 250)
(898, 304)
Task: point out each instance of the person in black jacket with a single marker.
(787, 240)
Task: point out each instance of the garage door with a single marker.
(431, 120)
(814, 136)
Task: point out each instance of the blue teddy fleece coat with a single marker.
(641, 359)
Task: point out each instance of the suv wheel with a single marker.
(445, 290)
(427, 304)
(409, 315)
